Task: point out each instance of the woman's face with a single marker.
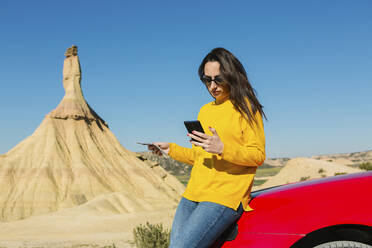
(221, 91)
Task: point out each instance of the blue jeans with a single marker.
(199, 224)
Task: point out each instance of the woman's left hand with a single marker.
(212, 144)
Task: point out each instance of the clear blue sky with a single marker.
(309, 61)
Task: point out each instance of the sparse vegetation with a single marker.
(267, 170)
(184, 179)
(340, 173)
(324, 175)
(283, 159)
(366, 166)
(109, 246)
(258, 182)
(329, 160)
(180, 170)
(352, 154)
(321, 170)
(149, 236)
(353, 166)
(172, 166)
(304, 178)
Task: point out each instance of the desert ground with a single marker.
(95, 223)
(79, 229)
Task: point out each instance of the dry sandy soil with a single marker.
(73, 227)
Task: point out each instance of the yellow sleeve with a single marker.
(252, 150)
(182, 154)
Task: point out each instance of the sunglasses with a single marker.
(217, 79)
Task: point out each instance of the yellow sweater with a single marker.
(225, 179)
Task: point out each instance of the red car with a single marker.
(327, 212)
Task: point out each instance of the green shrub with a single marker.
(258, 182)
(321, 170)
(304, 178)
(110, 246)
(151, 236)
(340, 173)
(366, 166)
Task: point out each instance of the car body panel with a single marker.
(287, 213)
(262, 240)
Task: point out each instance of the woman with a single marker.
(224, 159)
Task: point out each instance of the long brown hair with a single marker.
(236, 77)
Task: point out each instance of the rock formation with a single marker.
(72, 158)
(73, 104)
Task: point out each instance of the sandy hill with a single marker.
(298, 169)
(74, 160)
(276, 161)
(353, 158)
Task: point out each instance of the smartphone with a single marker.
(194, 126)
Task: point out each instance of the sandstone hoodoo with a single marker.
(73, 158)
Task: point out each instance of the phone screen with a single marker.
(194, 126)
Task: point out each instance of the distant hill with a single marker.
(177, 168)
(182, 171)
(266, 173)
(173, 166)
(301, 169)
(354, 158)
(276, 161)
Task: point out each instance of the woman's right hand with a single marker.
(162, 145)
